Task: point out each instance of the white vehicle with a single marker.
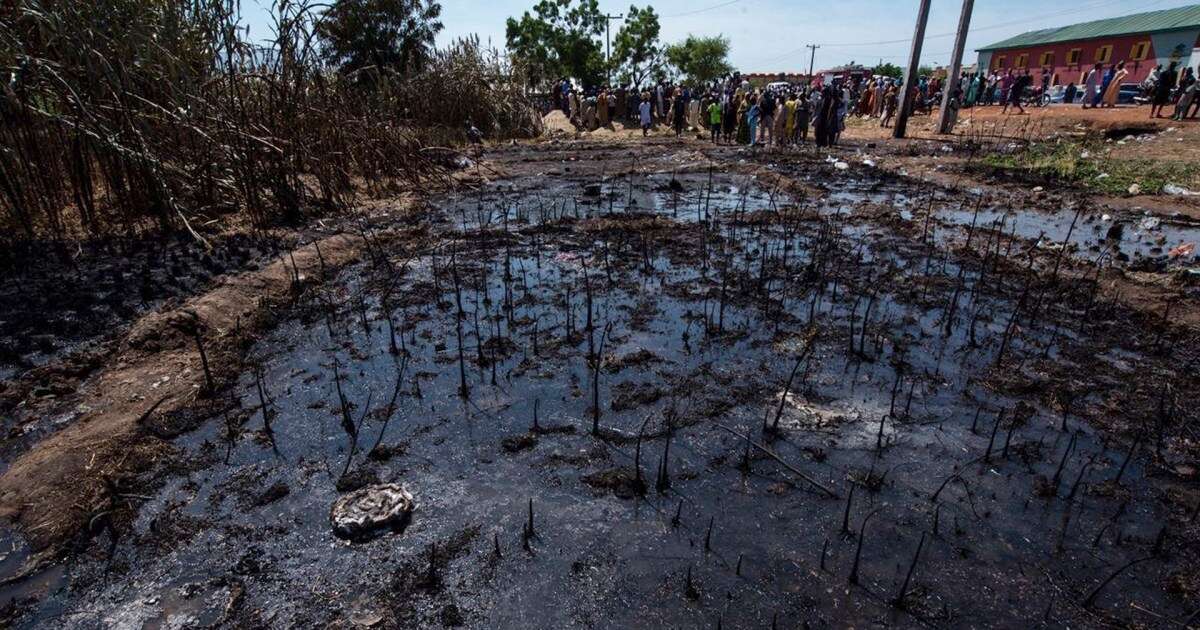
(779, 86)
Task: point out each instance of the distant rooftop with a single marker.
(1150, 22)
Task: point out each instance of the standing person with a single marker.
(730, 115)
(678, 112)
(789, 113)
(1006, 90)
(766, 117)
(1069, 94)
(1105, 80)
(780, 122)
(844, 100)
(602, 108)
(1114, 86)
(803, 110)
(1187, 98)
(972, 89)
(714, 121)
(1162, 90)
(826, 120)
(1091, 85)
(753, 114)
(644, 115)
(743, 119)
(1017, 91)
(889, 105)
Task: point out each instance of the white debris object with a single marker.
(1172, 189)
(367, 510)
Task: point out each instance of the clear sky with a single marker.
(770, 35)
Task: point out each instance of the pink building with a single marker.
(1142, 40)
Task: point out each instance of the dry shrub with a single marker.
(119, 115)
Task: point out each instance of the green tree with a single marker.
(700, 60)
(390, 35)
(888, 70)
(636, 51)
(559, 39)
(924, 70)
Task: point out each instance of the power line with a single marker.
(705, 9)
(1035, 18)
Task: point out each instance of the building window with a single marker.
(1103, 54)
(1140, 51)
(1000, 61)
(1047, 58)
(1073, 56)
(1023, 61)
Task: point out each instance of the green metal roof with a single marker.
(1151, 22)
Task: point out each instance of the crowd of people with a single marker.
(1098, 87)
(734, 111)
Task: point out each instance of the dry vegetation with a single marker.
(125, 114)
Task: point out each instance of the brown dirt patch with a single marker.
(69, 479)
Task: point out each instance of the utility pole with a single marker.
(910, 77)
(945, 125)
(608, 46)
(811, 59)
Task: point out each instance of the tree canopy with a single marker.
(637, 53)
(559, 39)
(700, 60)
(391, 35)
(888, 70)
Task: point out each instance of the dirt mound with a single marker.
(557, 122)
(70, 479)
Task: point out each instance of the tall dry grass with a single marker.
(123, 115)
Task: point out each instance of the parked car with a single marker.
(1129, 94)
(1059, 92)
(779, 86)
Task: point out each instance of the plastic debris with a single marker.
(1135, 189)
(1185, 250)
(1172, 189)
(1149, 223)
(841, 166)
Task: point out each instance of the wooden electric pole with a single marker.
(608, 46)
(945, 123)
(812, 58)
(910, 77)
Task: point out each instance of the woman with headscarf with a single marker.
(1114, 86)
(1162, 90)
(789, 115)
(826, 119)
(972, 90)
(743, 119)
(752, 113)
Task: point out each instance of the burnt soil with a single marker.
(665, 383)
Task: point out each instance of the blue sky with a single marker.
(770, 35)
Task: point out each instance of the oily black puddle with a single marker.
(892, 432)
